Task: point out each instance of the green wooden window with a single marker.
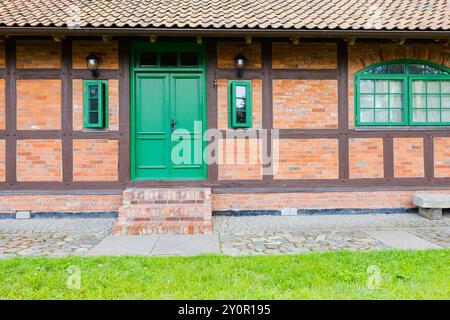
(240, 104)
(403, 93)
(95, 104)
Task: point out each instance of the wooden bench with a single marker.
(431, 205)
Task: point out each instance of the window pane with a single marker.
(445, 101)
(433, 87)
(381, 115)
(445, 86)
(419, 101)
(366, 115)
(396, 101)
(381, 101)
(240, 103)
(168, 59)
(433, 101)
(396, 86)
(397, 68)
(93, 104)
(419, 115)
(93, 117)
(419, 86)
(382, 86)
(433, 116)
(148, 59)
(396, 115)
(241, 92)
(367, 86)
(93, 91)
(445, 115)
(240, 116)
(367, 101)
(189, 59)
(424, 69)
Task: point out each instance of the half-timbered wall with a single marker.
(304, 90)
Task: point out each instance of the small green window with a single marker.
(240, 104)
(402, 93)
(96, 104)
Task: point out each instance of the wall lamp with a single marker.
(92, 62)
(240, 61)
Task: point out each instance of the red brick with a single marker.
(307, 159)
(39, 160)
(408, 158)
(307, 55)
(38, 54)
(240, 159)
(38, 104)
(366, 158)
(442, 157)
(106, 51)
(226, 51)
(305, 104)
(95, 160)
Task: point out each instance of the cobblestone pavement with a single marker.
(298, 234)
(51, 237)
(238, 235)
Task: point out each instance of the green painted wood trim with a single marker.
(408, 91)
(103, 105)
(232, 84)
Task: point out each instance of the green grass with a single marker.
(332, 275)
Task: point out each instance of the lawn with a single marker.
(332, 275)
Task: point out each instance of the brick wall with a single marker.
(226, 51)
(106, 51)
(240, 159)
(38, 104)
(305, 104)
(38, 54)
(286, 55)
(95, 160)
(2, 104)
(222, 104)
(442, 157)
(307, 159)
(39, 160)
(2, 160)
(366, 158)
(60, 203)
(408, 158)
(316, 200)
(113, 104)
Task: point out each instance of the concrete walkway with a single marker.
(232, 235)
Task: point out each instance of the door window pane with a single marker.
(367, 86)
(419, 115)
(382, 86)
(381, 115)
(396, 115)
(189, 59)
(367, 115)
(149, 59)
(367, 101)
(381, 101)
(169, 59)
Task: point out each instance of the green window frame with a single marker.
(95, 105)
(403, 93)
(240, 104)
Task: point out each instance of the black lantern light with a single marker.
(240, 61)
(92, 64)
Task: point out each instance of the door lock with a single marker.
(172, 125)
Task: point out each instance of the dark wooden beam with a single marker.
(124, 110)
(267, 106)
(11, 111)
(211, 98)
(428, 153)
(66, 110)
(342, 61)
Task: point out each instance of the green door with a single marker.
(169, 115)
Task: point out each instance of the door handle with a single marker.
(172, 125)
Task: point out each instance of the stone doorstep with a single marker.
(166, 194)
(427, 200)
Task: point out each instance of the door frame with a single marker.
(136, 48)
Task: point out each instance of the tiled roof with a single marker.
(230, 14)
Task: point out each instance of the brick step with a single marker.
(166, 195)
(165, 210)
(139, 212)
